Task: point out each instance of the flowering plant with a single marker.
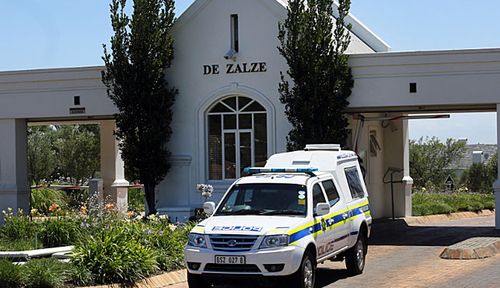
(206, 190)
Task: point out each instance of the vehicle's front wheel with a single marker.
(196, 281)
(306, 275)
(356, 256)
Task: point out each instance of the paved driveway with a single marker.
(408, 256)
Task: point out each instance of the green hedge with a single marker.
(440, 203)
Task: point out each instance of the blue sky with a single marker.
(67, 33)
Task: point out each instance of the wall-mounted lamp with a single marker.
(231, 54)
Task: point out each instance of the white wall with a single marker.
(446, 80)
(49, 93)
(202, 37)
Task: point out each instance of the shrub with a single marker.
(77, 197)
(11, 275)
(45, 273)
(17, 226)
(114, 255)
(169, 242)
(42, 200)
(19, 245)
(432, 209)
(438, 203)
(136, 199)
(81, 276)
(59, 232)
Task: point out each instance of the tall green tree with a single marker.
(78, 152)
(430, 160)
(318, 81)
(141, 51)
(480, 177)
(42, 159)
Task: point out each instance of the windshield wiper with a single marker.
(283, 212)
(244, 212)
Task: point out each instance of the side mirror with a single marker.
(322, 209)
(209, 208)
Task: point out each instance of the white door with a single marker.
(337, 222)
(320, 227)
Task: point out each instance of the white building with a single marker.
(228, 116)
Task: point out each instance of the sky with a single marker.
(69, 33)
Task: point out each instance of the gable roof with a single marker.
(358, 28)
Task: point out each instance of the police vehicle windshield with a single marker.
(265, 199)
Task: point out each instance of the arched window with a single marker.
(237, 137)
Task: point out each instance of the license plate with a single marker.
(230, 260)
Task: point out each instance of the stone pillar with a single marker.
(14, 186)
(96, 192)
(496, 185)
(115, 187)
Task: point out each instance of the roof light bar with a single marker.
(254, 170)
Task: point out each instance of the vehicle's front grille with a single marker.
(233, 243)
(242, 268)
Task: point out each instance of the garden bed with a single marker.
(444, 203)
(108, 248)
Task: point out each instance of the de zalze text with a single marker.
(235, 68)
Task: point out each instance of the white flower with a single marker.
(172, 227)
(206, 190)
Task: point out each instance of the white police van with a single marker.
(302, 208)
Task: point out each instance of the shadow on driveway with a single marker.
(328, 276)
(397, 232)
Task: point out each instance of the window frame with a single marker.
(354, 194)
(335, 187)
(325, 199)
(235, 41)
(258, 114)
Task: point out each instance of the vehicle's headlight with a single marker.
(274, 241)
(197, 240)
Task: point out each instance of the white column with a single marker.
(115, 187)
(407, 180)
(496, 185)
(14, 187)
(397, 155)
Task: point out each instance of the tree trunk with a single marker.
(149, 194)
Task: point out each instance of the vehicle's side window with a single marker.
(318, 196)
(354, 182)
(331, 192)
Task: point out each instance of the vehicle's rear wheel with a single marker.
(356, 256)
(196, 281)
(306, 275)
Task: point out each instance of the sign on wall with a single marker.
(235, 68)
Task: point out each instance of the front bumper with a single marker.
(290, 256)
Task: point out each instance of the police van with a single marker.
(301, 209)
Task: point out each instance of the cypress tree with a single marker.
(319, 80)
(141, 51)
